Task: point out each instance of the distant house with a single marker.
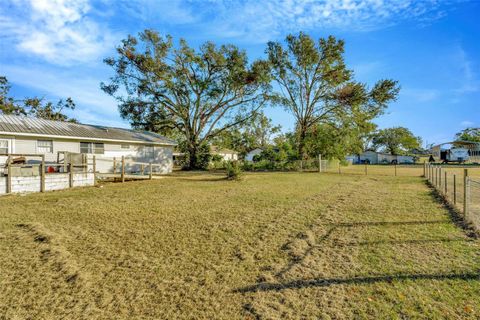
(373, 157)
(24, 135)
(251, 154)
(225, 154)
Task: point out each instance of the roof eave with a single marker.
(85, 138)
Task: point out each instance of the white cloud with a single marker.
(93, 105)
(421, 95)
(467, 123)
(60, 31)
(470, 82)
(260, 20)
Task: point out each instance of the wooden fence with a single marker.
(23, 175)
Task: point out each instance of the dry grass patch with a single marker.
(276, 245)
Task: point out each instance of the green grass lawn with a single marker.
(275, 245)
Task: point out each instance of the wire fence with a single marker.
(336, 166)
(460, 187)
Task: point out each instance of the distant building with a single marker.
(251, 154)
(226, 154)
(373, 157)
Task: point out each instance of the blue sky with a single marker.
(55, 48)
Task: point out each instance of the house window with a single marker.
(3, 146)
(99, 148)
(125, 146)
(45, 146)
(90, 147)
(148, 152)
(86, 147)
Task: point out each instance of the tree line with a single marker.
(214, 94)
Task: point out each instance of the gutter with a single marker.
(86, 138)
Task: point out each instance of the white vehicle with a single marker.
(455, 155)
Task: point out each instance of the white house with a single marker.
(24, 135)
(251, 154)
(226, 154)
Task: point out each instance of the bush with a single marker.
(234, 170)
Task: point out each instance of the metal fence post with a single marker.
(319, 163)
(465, 192)
(150, 171)
(366, 170)
(396, 170)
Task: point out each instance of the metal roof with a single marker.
(458, 142)
(26, 126)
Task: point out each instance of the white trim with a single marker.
(84, 138)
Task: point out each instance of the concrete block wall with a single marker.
(56, 181)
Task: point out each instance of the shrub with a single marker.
(234, 170)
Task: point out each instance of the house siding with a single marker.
(162, 155)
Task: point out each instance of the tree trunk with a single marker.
(301, 142)
(192, 156)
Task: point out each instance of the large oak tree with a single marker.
(197, 93)
(396, 140)
(317, 87)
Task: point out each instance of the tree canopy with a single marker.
(36, 107)
(396, 140)
(255, 132)
(317, 88)
(198, 93)
(469, 134)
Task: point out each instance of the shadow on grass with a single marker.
(387, 223)
(327, 282)
(407, 241)
(455, 215)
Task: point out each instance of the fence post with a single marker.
(142, 168)
(114, 165)
(454, 189)
(465, 192)
(85, 163)
(42, 175)
(94, 170)
(339, 170)
(396, 169)
(150, 171)
(440, 178)
(9, 175)
(123, 169)
(424, 169)
(366, 170)
(446, 183)
(319, 163)
(70, 175)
